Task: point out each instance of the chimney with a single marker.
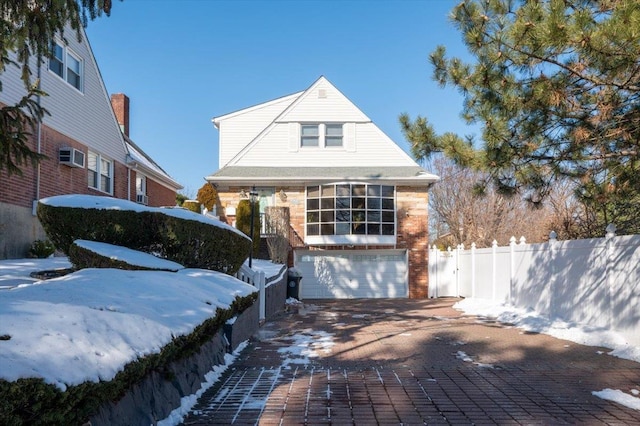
(120, 105)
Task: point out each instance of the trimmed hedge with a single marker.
(82, 258)
(34, 402)
(191, 243)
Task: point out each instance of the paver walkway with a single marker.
(411, 362)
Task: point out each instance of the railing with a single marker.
(258, 280)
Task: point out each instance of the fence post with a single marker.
(473, 269)
(262, 279)
(459, 248)
(609, 237)
(512, 267)
(494, 247)
(552, 282)
(433, 265)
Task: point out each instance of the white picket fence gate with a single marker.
(593, 282)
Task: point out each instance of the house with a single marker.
(355, 201)
(87, 150)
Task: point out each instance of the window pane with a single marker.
(387, 229)
(309, 130)
(313, 217)
(327, 203)
(359, 229)
(74, 71)
(358, 203)
(343, 203)
(358, 216)
(56, 62)
(328, 191)
(313, 229)
(373, 216)
(388, 216)
(313, 191)
(105, 183)
(313, 204)
(333, 130)
(93, 179)
(373, 229)
(333, 141)
(309, 135)
(373, 190)
(327, 229)
(343, 228)
(387, 203)
(327, 216)
(92, 161)
(358, 190)
(373, 203)
(343, 190)
(309, 141)
(387, 191)
(343, 215)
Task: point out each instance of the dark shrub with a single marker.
(243, 223)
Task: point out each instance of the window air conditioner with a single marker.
(142, 199)
(71, 157)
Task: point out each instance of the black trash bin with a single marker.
(293, 283)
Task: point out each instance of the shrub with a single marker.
(82, 258)
(33, 402)
(192, 243)
(243, 223)
(41, 249)
(207, 196)
(192, 205)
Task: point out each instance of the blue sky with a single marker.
(183, 62)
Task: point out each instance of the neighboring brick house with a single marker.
(88, 152)
(357, 203)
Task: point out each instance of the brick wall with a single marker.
(412, 229)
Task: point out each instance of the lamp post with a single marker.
(253, 195)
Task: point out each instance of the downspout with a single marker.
(39, 147)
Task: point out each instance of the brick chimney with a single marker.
(120, 105)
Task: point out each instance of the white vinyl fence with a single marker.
(594, 282)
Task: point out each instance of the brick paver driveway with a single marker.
(411, 362)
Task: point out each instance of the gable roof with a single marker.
(274, 148)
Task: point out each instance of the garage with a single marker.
(352, 274)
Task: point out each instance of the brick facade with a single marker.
(412, 229)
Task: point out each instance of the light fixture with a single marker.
(243, 194)
(283, 195)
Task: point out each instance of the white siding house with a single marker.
(355, 199)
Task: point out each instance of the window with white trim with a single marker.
(350, 209)
(66, 65)
(321, 135)
(100, 173)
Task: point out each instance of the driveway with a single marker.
(410, 362)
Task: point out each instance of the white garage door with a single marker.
(338, 274)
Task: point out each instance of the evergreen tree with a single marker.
(27, 28)
(556, 88)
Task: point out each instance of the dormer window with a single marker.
(333, 135)
(309, 135)
(321, 135)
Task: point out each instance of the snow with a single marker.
(132, 257)
(96, 321)
(584, 335)
(529, 320)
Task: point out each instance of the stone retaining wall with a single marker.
(158, 394)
